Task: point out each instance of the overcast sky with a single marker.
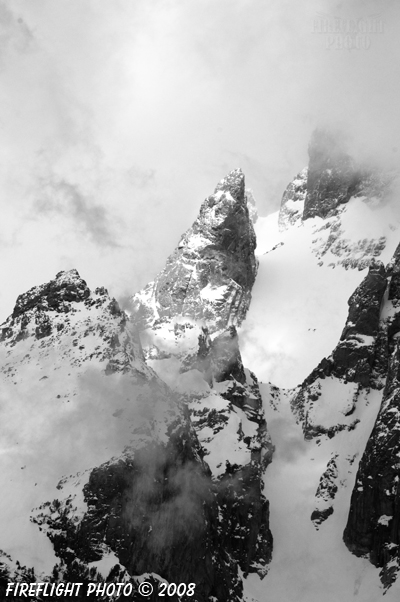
(119, 117)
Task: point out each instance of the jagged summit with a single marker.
(187, 318)
(234, 184)
(332, 174)
(331, 179)
(50, 310)
(56, 295)
(210, 275)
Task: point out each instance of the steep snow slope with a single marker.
(315, 481)
(310, 265)
(311, 565)
(306, 274)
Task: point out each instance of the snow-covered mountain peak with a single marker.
(233, 183)
(210, 275)
(187, 320)
(56, 295)
(65, 319)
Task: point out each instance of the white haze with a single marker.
(117, 119)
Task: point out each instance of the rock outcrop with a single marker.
(325, 494)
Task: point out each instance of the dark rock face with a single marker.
(57, 295)
(158, 511)
(210, 275)
(232, 410)
(225, 357)
(373, 527)
(365, 304)
(353, 358)
(332, 175)
(245, 533)
(356, 359)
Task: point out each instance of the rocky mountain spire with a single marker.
(210, 274)
(187, 318)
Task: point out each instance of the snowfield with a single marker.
(298, 311)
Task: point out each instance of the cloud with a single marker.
(15, 35)
(141, 178)
(144, 107)
(292, 445)
(67, 200)
(169, 491)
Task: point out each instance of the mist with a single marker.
(119, 119)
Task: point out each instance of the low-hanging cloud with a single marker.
(292, 445)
